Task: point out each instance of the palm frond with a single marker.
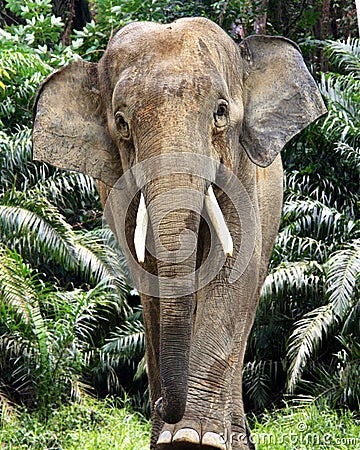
(343, 279)
(126, 341)
(15, 159)
(299, 276)
(114, 255)
(20, 291)
(349, 154)
(345, 54)
(306, 339)
(65, 189)
(141, 369)
(312, 185)
(342, 94)
(327, 190)
(34, 226)
(97, 260)
(289, 291)
(126, 347)
(7, 407)
(27, 71)
(77, 314)
(258, 377)
(17, 289)
(91, 261)
(290, 247)
(338, 384)
(47, 333)
(309, 217)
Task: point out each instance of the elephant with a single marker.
(192, 124)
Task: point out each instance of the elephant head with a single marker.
(171, 91)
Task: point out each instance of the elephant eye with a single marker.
(221, 114)
(122, 125)
(221, 111)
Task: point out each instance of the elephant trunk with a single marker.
(174, 358)
(175, 223)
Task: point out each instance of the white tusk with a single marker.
(218, 221)
(141, 230)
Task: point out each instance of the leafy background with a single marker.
(70, 321)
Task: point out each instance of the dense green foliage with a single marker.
(307, 327)
(63, 286)
(70, 322)
(60, 278)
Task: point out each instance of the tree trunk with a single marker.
(261, 17)
(322, 31)
(74, 13)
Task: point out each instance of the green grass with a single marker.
(92, 425)
(307, 428)
(100, 425)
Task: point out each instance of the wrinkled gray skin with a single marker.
(187, 87)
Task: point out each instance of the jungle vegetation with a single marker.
(70, 319)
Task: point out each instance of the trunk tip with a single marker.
(169, 415)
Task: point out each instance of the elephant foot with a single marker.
(195, 435)
(190, 435)
(189, 439)
(241, 438)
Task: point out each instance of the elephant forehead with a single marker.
(151, 43)
(165, 82)
(166, 39)
(182, 44)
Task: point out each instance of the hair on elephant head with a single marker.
(184, 127)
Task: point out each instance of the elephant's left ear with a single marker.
(280, 96)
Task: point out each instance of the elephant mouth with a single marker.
(214, 213)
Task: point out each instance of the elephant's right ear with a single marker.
(70, 128)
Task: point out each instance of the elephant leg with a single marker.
(151, 316)
(223, 318)
(240, 431)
